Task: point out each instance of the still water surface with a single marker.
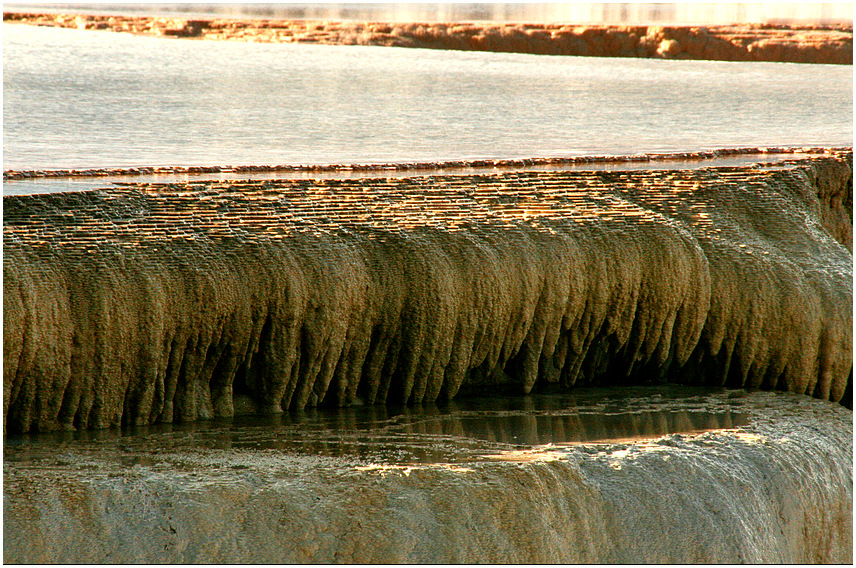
(77, 99)
(459, 430)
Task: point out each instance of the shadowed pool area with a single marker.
(459, 430)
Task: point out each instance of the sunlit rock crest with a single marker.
(795, 43)
(168, 302)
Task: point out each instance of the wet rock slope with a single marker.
(164, 302)
(777, 490)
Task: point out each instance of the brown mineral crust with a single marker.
(745, 42)
(159, 302)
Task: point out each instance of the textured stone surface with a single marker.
(758, 42)
(165, 302)
(778, 490)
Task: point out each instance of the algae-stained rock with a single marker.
(166, 302)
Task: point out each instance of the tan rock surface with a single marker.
(166, 302)
(751, 42)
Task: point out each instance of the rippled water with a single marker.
(75, 99)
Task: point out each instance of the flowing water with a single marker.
(75, 99)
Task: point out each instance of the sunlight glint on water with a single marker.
(77, 99)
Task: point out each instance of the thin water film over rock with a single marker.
(321, 485)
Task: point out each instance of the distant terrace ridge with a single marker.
(827, 44)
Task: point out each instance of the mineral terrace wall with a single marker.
(758, 42)
(167, 302)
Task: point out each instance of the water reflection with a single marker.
(456, 431)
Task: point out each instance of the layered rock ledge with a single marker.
(435, 166)
(155, 302)
(749, 42)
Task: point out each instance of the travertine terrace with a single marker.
(161, 302)
(778, 490)
(761, 42)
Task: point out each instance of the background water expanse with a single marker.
(76, 99)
